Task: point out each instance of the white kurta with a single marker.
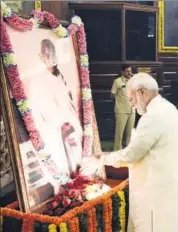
(152, 156)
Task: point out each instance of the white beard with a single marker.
(140, 111)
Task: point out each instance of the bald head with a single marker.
(142, 88)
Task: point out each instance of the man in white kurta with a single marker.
(152, 156)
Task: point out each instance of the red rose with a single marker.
(73, 193)
(66, 193)
(58, 198)
(83, 193)
(70, 185)
(79, 198)
(66, 202)
(54, 204)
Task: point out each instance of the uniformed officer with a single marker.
(124, 113)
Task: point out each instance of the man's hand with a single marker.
(90, 165)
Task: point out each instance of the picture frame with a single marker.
(167, 40)
(6, 174)
(16, 106)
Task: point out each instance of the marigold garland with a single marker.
(76, 212)
(107, 227)
(109, 203)
(90, 221)
(1, 222)
(94, 219)
(63, 227)
(71, 225)
(76, 224)
(37, 5)
(27, 225)
(52, 228)
(122, 211)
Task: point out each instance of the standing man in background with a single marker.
(124, 113)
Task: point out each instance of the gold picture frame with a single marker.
(162, 48)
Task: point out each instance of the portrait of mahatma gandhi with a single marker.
(49, 57)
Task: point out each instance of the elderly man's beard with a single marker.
(140, 107)
(140, 111)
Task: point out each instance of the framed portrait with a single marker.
(168, 27)
(47, 103)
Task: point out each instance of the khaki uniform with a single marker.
(124, 113)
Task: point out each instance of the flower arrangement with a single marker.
(104, 213)
(74, 194)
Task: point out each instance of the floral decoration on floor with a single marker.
(78, 190)
(107, 213)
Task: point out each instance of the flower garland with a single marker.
(18, 91)
(79, 213)
(110, 214)
(37, 5)
(63, 227)
(27, 225)
(1, 222)
(52, 228)
(90, 221)
(94, 224)
(122, 211)
(74, 225)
